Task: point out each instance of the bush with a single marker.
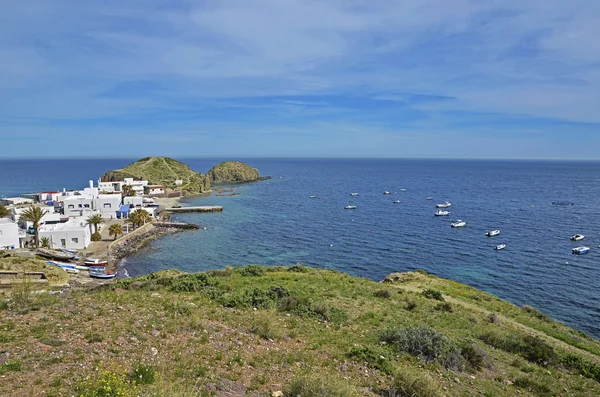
(493, 318)
(409, 382)
(107, 383)
(433, 294)
(143, 374)
(373, 356)
(410, 305)
(382, 293)
(473, 355)
(425, 342)
(96, 236)
(298, 269)
(444, 307)
(319, 386)
(531, 384)
(536, 313)
(196, 282)
(531, 348)
(255, 297)
(10, 366)
(252, 271)
(584, 367)
(264, 327)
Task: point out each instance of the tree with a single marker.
(140, 217)
(115, 230)
(34, 214)
(128, 191)
(45, 241)
(95, 220)
(4, 212)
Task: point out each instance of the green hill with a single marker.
(288, 331)
(162, 171)
(231, 172)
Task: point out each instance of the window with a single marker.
(107, 205)
(63, 242)
(86, 206)
(71, 206)
(74, 240)
(80, 206)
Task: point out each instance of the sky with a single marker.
(302, 78)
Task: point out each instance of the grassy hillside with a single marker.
(299, 331)
(162, 171)
(230, 172)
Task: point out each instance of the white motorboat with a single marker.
(350, 207)
(353, 194)
(500, 247)
(577, 237)
(386, 192)
(402, 190)
(445, 204)
(396, 201)
(429, 198)
(580, 250)
(441, 213)
(458, 223)
(492, 233)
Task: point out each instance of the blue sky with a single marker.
(350, 78)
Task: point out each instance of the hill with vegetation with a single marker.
(231, 172)
(162, 171)
(287, 331)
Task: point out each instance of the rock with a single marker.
(277, 393)
(229, 388)
(457, 380)
(230, 172)
(508, 382)
(136, 285)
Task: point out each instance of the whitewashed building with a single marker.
(134, 201)
(154, 190)
(75, 234)
(16, 201)
(107, 205)
(137, 186)
(9, 234)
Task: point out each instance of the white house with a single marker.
(110, 187)
(74, 234)
(107, 205)
(9, 234)
(150, 210)
(135, 201)
(16, 201)
(137, 186)
(78, 205)
(49, 196)
(154, 189)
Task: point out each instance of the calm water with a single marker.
(275, 222)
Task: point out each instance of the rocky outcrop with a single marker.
(231, 172)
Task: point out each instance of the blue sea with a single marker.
(276, 223)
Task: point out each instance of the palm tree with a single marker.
(4, 212)
(139, 218)
(45, 241)
(128, 191)
(115, 229)
(95, 220)
(34, 214)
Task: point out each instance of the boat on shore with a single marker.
(580, 250)
(441, 213)
(500, 247)
(66, 251)
(577, 237)
(458, 223)
(350, 207)
(52, 254)
(445, 204)
(492, 233)
(103, 276)
(67, 265)
(94, 262)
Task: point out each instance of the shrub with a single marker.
(106, 383)
(143, 374)
(444, 307)
(410, 305)
(425, 342)
(584, 367)
(10, 366)
(92, 337)
(433, 294)
(298, 269)
(409, 382)
(531, 348)
(536, 313)
(255, 297)
(52, 342)
(373, 356)
(531, 384)
(264, 327)
(382, 293)
(319, 386)
(493, 318)
(473, 355)
(252, 271)
(96, 236)
(329, 313)
(196, 282)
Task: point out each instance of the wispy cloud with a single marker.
(390, 74)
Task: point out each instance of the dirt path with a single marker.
(507, 320)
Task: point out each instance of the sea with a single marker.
(275, 222)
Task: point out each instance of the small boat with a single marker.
(565, 203)
(66, 251)
(500, 247)
(428, 198)
(103, 276)
(94, 262)
(441, 213)
(492, 233)
(458, 223)
(580, 250)
(97, 269)
(402, 190)
(446, 204)
(51, 254)
(353, 194)
(396, 201)
(577, 237)
(350, 207)
(312, 196)
(386, 192)
(67, 265)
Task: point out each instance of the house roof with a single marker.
(4, 221)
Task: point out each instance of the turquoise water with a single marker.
(276, 223)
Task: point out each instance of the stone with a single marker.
(277, 393)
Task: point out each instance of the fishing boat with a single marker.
(458, 223)
(402, 190)
(66, 251)
(350, 207)
(428, 198)
(580, 250)
(396, 201)
(492, 233)
(441, 213)
(67, 265)
(103, 276)
(577, 237)
(94, 262)
(51, 254)
(353, 194)
(445, 204)
(386, 192)
(312, 196)
(500, 247)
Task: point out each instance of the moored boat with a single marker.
(458, 223)
(492, 233)
(445, 204)
(577, 237)
(441, 213)
(580, 250)
(396, 201)
(428, 198)
(386, 192)
(350, 207)
(353, 194)
(103, 276)
(312, 196)
(94, 262)
(500, 247)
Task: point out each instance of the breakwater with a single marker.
(203, 208)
